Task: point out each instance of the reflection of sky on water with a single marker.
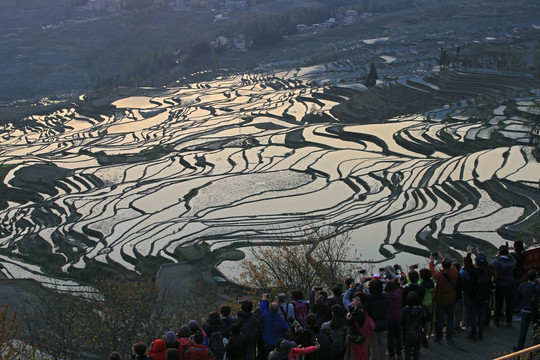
(238, 166)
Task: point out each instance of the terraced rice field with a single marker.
(236, 159)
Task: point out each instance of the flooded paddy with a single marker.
(253, 157)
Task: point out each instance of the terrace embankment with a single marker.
(398, 98)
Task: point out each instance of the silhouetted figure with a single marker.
(371, 79)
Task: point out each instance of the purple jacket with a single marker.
(394, 313)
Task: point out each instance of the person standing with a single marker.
(237, 345)
(477, 293)
(158, 350)
(425, 293)
(355, 320)
(378, 306)
(503, 265)
(413, 318)
(275, 325)
(519, 271)
(528, 294)
(337, 327)
(196, 349)
(393, 288)
(444, 297)
(312, 335)
(139, 351)
(249, 327)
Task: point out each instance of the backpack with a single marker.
(216, 344)
(286, 314)
(300, 312)
(414, 330)
(428, 297)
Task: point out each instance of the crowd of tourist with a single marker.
(389, 314)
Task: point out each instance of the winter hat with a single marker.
(480, 259)
(193, 326)
(281, 298)
(287, 345)
(170, 338)
(115, 355)
(391, 269)
(184, 332)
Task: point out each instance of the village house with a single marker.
(240, 43)
(351, 17)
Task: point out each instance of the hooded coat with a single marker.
(158, 351)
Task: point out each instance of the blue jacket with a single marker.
(528, 294)
(275, 325)
(504, 266)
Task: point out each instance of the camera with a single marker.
(362, 271)
(296, 325)
(369, 279)
(318, 288)
(415, 266)
(435, 254)
(382, 270)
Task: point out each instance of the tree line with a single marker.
(139, 72)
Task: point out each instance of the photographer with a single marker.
(353, 289)
(444, 297)
(503, 265)
(275, 325)
(319, 304)
(377, 306)
(477, 293)
(528, 294)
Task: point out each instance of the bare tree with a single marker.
(10, 345)
(56, 323)
(312, 256)
(129, 311)
(116, 316)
